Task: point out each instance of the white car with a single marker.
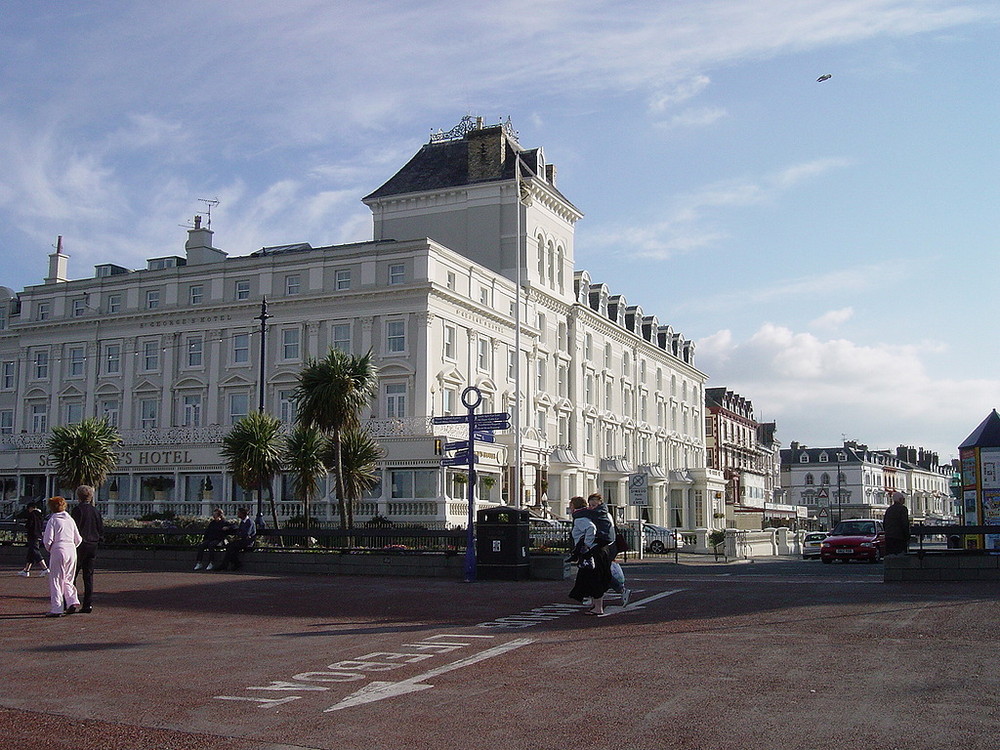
(812, 543)
(660, 539)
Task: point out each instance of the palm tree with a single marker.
(254, 451)
(84, 453)
(305, 451)
(330, 395)
(359, 457)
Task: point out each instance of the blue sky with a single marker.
(830, 246)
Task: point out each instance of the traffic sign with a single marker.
(491, 424)
(450, 420)
(638, 489)
(484, 436)
(497, 415)
(459, 460)
(457, 445)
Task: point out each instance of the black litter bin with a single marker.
(502, 544)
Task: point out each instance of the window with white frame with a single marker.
(77, 356)
(588, 389)
(397, 273)
(450, 283)
(112, 359)
(196, 294)
(7, 422)
(8, 376)
(39, 417)
(40, 364)
(290, 343)
(589, 438)
(191, 411)
(287, 406)
(293, 284)
(150, 355)
(395, 400)
(241, 289)
(341, 335)
(241, 348)
(563, 334)
(79, 307)
(540, 422)
(114, 303)
(540, 374)
(43, 310)
(449, 336)
(342, 279)
(395, 336)
(111, 411)
(607, 356)
(152, 299)
(607, 395)
(562, 378)
(449, 397)
(563, 429)
(149, 413)
(609, 441)
(413, 483)
(195, 346)
(483, 349)
(540, 324)
(588, 347)
(72, 412)
(511, 363)
(484, 295)
(626, 365)
(239, 406)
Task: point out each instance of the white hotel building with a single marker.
(172, 354)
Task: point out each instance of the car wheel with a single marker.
(656, 546)
(877, 557)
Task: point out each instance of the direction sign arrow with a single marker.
(493, 415)
(491, 424)
(484, 436)
(457, 446)
(458, 460)
(450, 420)
(377, 689)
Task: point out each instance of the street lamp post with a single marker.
(260, 387)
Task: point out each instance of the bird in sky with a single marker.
(825, 77)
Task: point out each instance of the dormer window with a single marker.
(823, 458)
(804, 458)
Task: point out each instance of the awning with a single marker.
(563, 455)
(617, 465)
(681, 477)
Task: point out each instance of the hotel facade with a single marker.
(175, 353)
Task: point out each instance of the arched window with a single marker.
(825, 479)
(541, 258)
(810, 480)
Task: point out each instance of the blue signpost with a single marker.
(481, 427)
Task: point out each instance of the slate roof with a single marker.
(987, 435)
(446, 164)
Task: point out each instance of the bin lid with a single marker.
(502, 514)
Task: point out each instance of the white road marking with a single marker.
(378, 690)
(638, 604)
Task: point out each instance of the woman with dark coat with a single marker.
(215, 538)
(896, 524)
(593, 577)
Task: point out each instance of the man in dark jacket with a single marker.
(246, 536)
(88, 520)
(896, 523)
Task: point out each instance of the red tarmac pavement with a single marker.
(740, 657)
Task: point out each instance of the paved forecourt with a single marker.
(705, 656)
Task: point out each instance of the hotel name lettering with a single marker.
(141, 458)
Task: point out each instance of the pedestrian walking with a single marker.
(61, 538)
(896, 524)
(607, 534)
(593, 576)
(214, 538)
(88, 520)
(34, 526)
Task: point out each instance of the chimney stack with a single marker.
(58, 265)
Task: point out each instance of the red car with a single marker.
(857, 539)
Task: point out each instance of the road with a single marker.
(783, 653)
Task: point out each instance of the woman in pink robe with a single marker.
(61, 538)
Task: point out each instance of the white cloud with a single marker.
(817, 389)
(833, 318)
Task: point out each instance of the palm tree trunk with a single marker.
(339, 476)
(274, 510)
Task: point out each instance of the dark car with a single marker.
(857, 539)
